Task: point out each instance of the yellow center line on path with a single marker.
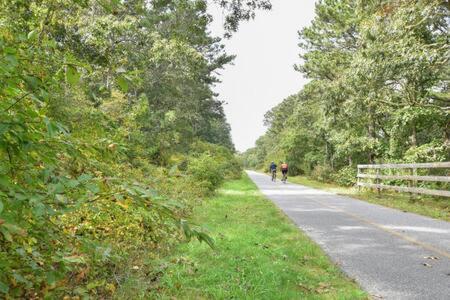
(393, 232)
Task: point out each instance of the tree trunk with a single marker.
(447, 134)
(371, 130)
(414, 135)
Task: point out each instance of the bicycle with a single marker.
(284, 178)
(274, 175)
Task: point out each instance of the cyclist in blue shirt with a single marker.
(273, 170)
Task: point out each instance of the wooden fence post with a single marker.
(357, 180)
(414, 182)
(378, 181)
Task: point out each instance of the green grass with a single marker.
(259, 254)
(438, 208)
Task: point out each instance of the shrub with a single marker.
(229, 165)
(207, 170)
(345, 176)
(232, 168)
(431, 152)
(322, 173)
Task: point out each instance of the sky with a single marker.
(262, 74)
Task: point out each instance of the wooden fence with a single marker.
(412, 179)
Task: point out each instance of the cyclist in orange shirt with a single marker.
(284, 170)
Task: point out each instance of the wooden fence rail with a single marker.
(412, 179)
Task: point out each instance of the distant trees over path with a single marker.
(378, 90)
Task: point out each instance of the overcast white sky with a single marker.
(262, 74)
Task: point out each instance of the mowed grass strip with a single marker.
(434, 207)
(259, 254)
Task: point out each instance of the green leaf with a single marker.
(32, 34)
(6, 234)
(95, 284)
(82, 292)
(52, 127)
(61, 198)
(203, 237)
(56, 188)
(93, 188)
(72, 183)
(84, 177)
(19, 278)
(5, 182)
(3, 288)
(39, 209)
(1, 207)
(14, 229)
(3, 128)
(72, 75)
(186, 229)
(12, 59)
(74, 259)
(32, 81)
(123, 84)
(118, 196)
(51, 278)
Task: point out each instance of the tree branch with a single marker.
(17, 101)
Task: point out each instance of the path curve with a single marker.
(390, 253)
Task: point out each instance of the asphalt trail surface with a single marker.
(390, 253)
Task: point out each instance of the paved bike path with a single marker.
(390, 253)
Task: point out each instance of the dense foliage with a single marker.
(378, 91)
(109, 133)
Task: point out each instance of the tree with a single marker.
(100, 103)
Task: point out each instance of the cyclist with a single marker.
(284, 169)
(273, 170)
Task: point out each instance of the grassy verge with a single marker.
(259, 254)
(438, 208)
